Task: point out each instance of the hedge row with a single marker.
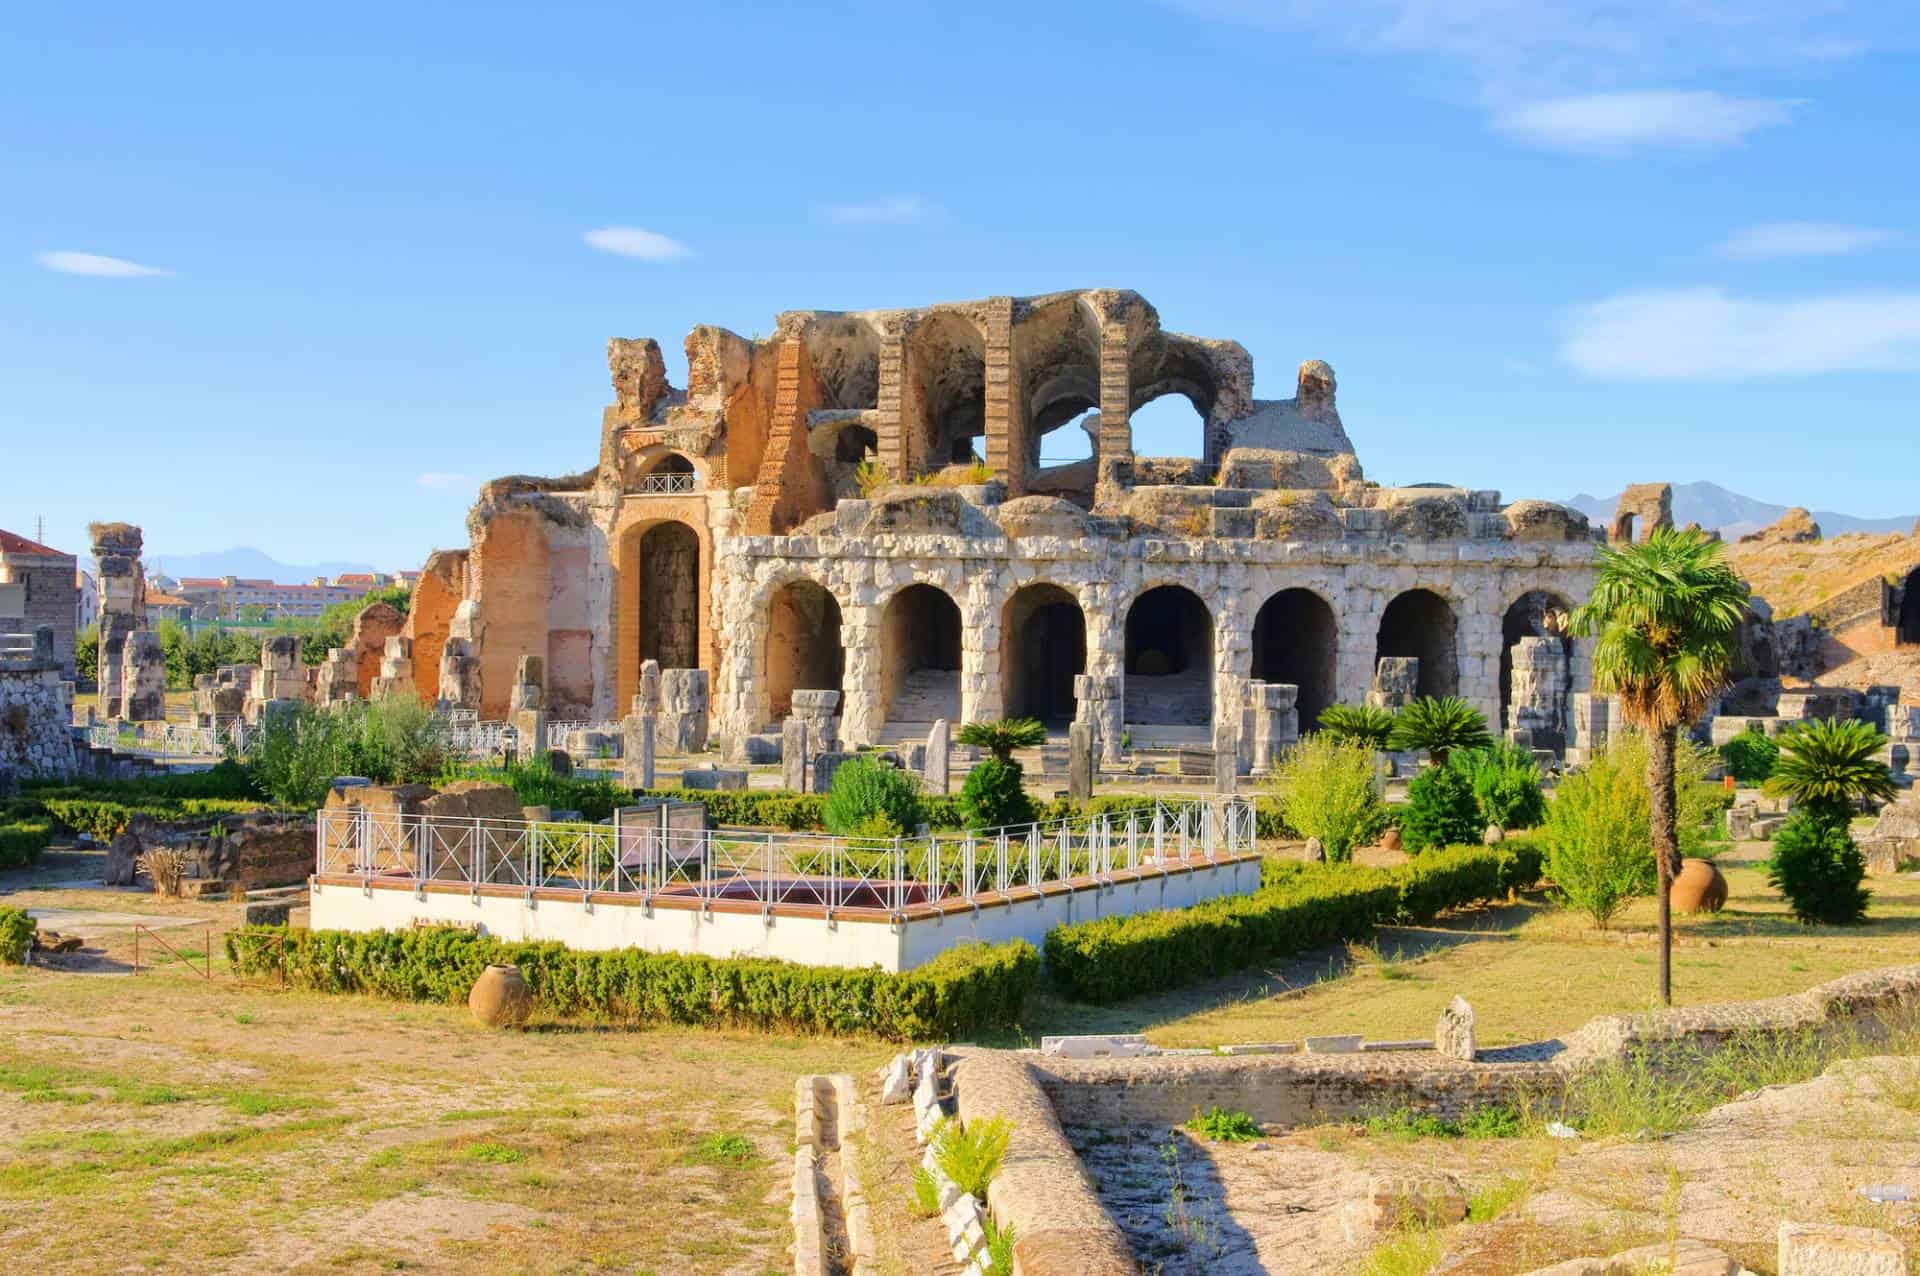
(965, 991)
(107, 818)
(22, 840)
(1295, 909)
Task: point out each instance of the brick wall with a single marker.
(52, 599)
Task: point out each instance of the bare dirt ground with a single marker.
(171, 1123)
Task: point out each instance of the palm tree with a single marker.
(1827, 767)
(1439, 724)
(1002, 738)
(1667, 614)
(1366, 724)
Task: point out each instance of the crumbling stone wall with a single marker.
(36, 740)
(123, 604)
(1642, 508)
(442, 586)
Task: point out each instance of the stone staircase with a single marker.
(927, 694)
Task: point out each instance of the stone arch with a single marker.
(947, 371)
(802, 647)
(1422, 624)
(1537, 613)
(661, 571)
(1168, 659)
(1907, 629)
(1179, 369)
(659, 461)
(1043, 645)
(845, 353)
(1296, 638)
(920, 655)
(1057, 350)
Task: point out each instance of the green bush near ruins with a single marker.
(994, 796)
(1438, 725)
(1749, 756)
(1297, 908)
(863, 788)
(1365, 724)
(1325, 789)
(1507, 784)
(1441, 810)
(295, 756)
(965, 991)
(17, 930)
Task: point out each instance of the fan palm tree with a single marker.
(1439, 724)
(1827, 767)
(1003, 737)
(1666, 613)
(1366, 724)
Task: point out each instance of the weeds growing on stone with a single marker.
(1224, 1126)
(1494, 1121)
(1412, 1252)
(1496, 1198)
(926, 1196)
(970, 1155)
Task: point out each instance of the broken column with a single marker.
(1396, 682)
(1098, 703)
(816, 709)
(527, 707)
(280, 676)
(459, 683)
(1276, 723)
(339, 677)
(1226, 755)
(796, 754)
(123, 604)
(143, 678)
(1080, 763)
(1590, 721)
(395, 679)
(683, 710)
(936, 772)
(637, 732)
(1536, 710)
(221, 696)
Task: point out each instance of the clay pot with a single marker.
(500, 997)
(1699, 888)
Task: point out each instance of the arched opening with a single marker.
(920, 656)
(1909, 627)
(947, 370)
(803, 647)
(1043, 645)
(654, 472)
(667, 599)
(1539, 613)
(855, 444)
(1419, 623)
(1295, 640)
(1169, 426)
(1169, 659)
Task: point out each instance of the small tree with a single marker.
(1597, 835)
(1441, 810)
(862, 788)
(1506, 783)
(1325, 789)
(1003, 737)
(1365, 724)
(1828, 768)
(1749, 756)
(1819, 869)
(1439, 725)
(994, 795)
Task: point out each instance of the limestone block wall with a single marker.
(35, 738)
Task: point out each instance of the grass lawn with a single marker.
(167, 1122)
(1530, 969)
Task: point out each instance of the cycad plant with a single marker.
(1365, 724)
(1666, 613)
(1439, 724)
(1003, 737)
(1827, 768)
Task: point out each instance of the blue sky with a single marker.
(300, 279)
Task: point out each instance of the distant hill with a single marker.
(1713, 506)
(245, 561)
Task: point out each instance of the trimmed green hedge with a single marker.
(21, 841)
(1297, 907)
(106, 818)
(17, 930)
(965, 991)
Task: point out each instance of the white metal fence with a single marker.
(171, 739)
(664, 851)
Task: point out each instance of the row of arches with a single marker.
(1167, 659)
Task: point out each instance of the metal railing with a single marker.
(664, 851)
(171, 739)
(663, 484)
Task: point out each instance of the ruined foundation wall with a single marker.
(443, 583)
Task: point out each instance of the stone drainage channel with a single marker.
(832, 1225)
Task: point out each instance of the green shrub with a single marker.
(1749, 756)
(1325, 789)
(1224, 1126)
(970, 1154)
(21, 841)
(1441, 810)
(926, 1196)
(965, 991)
(1296, 908)
(17, 930)
(295, 756)
(1598, 834)
(863, 786)
(1506, 783)
(1363, 724)
(535, 784)
(1001, 738)
(1828, 767)
(1818, 868)
(105, 818)
(1438, 725)
(999, 1248)
(994, 796)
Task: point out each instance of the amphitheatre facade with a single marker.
(859, 502)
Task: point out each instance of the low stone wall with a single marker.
(224, 853)
(1042, 1192)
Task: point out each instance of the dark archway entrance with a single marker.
(1169, 659)
(1043, 645)
(803, 647)
(1909, 627)
(1295, 639)
(668, 603)
(1420, 623)
(1539, 613)
(920, 656)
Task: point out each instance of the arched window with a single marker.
(803, 646)
(1043, 645)
(1295, 640)
(1420, 624)
(920, 657)
(1169, 659)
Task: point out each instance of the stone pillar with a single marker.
(939, 746)
(683, 710)
(339, 679)
(1080, 763)
(796, 754)
(143, 678)
(527, 706)
(862, 714)
(1276, 723)
(1226, 754)
(1592, 722)
(1537, 706)
(982, 694)
(123, 604)
(815, 708)
(636, 749)
(1396, 680)
(1097, 703)
(395, 680)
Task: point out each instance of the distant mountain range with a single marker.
(246, 562)
(1734, 515)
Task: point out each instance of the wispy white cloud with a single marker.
(1604, 122)
(1704, 334)
(632, 241)
(896, 210)
(98, 266)
(1800, 239)
(442, 479)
